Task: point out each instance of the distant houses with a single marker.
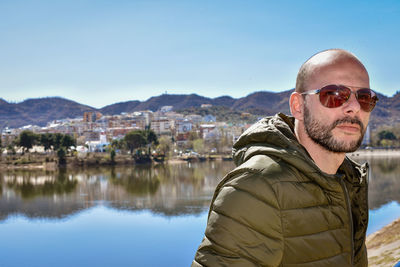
(96, 131)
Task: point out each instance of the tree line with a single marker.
(53, 141)
(50, 141)
(142, 141)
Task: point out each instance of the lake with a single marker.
(131, 216)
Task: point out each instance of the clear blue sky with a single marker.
(99, 52)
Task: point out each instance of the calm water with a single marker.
(125, 216)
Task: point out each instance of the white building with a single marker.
(98, 146)
(161, 126)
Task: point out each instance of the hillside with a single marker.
(42, 110)
(39, 111)
(384, 245)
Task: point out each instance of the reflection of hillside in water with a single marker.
(384, 182)
(166, 189)
(28, 193)
(182, 188)
(169, 190)
(30, 186)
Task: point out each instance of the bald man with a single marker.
(295, 199)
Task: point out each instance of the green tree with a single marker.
(46, 140)
(67, 141)
(135, 140)
(193, 135)
(118, 143)
(386, 142)
(164, 145)
(27, 139)
(61, 154)
(386, 135)
(151, 137)
(57, 137)
(386, 138)
(198, 146)
(112, 155)
(11, 149)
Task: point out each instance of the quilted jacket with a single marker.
(277, 208)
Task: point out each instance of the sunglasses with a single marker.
(335, 95)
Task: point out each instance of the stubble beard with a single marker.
(322, 134)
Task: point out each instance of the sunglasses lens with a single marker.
(367, 99)
(333, 96)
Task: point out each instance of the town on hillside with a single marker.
(165, 133)
(177, 134)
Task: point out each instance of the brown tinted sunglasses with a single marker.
(335, 95)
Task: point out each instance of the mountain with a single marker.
(258, 103)
(39, 111)
(118, 108)
(42, 110)
(177, 101)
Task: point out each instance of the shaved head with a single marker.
(333, 57)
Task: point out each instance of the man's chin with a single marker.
(346, 135)
(346, 147)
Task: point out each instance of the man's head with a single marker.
(310, 70)
(337, 126)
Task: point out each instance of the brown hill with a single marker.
(39, 111)
(120, 107)
(42, 110)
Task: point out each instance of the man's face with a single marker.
(338, 129)
(322, 133)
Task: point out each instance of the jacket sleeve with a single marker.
(244, 225)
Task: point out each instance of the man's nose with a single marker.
(352, 105)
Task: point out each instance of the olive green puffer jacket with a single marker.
(277, 208)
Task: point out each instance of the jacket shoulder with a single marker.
(244, 224)
(271, 168)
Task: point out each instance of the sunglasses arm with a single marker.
(311, 92)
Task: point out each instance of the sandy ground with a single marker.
(384, 245)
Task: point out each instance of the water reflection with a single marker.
(164, 189)
(384, 184)
(169, 190)
(29, 185)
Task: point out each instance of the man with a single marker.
(295, 199)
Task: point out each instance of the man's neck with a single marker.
(328, 162)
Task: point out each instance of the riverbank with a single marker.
(50, 161)
(384, 245)
(375, 153)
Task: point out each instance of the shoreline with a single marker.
(383, 246)
(36, 161)
(370, 153)
(48, 162)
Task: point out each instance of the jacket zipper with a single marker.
(348, 204)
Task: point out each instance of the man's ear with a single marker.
(296, 103)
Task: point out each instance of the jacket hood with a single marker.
(271, 135)
(274, 136)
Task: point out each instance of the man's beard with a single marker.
(322, 134)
